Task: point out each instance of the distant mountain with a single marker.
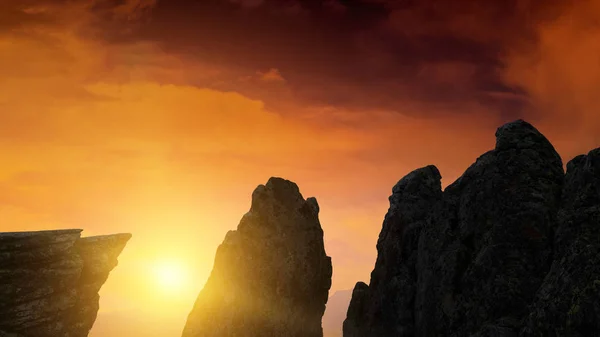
(335, 313)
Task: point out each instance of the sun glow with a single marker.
(170, 276)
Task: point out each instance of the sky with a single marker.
(160, 117)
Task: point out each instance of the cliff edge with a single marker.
(49, 281)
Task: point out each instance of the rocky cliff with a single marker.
(512, 248)
(49, 281)
(271, 277)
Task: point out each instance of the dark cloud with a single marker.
(355, 54)
(358, 53)
(15, 15)
(93, 16)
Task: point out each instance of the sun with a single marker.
(170, 276)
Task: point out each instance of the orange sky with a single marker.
(165, 137)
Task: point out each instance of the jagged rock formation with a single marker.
(512, 248)
(49, 281)
(385, 307)
(570, 293)
(271, 277)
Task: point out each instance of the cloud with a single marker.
(272, 75)
(248, 3)
(23, 14)
(355, 55)
(132, 9)
(438, 58)
(561, 74)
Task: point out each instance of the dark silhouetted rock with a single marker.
(568, 302)
(271, 277)
(511, 248)
(49, 281)
(384, 308)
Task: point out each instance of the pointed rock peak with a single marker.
(589, 161)
(271, 276)
(576, 162)
(314, 206)
(279, 205)
(520, 135)
(360, 287)
(427, 177)
(593, 159)
(277, 191)
(277, 183)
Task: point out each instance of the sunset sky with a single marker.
(160, 117)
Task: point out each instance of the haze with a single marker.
(159, 118)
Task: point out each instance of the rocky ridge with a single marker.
(49, 281)
(512, 248)
(271, 276)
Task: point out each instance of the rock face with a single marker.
(570, 293)
(385, 307)
(49, 281)
(271, 277)
(512, 248)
